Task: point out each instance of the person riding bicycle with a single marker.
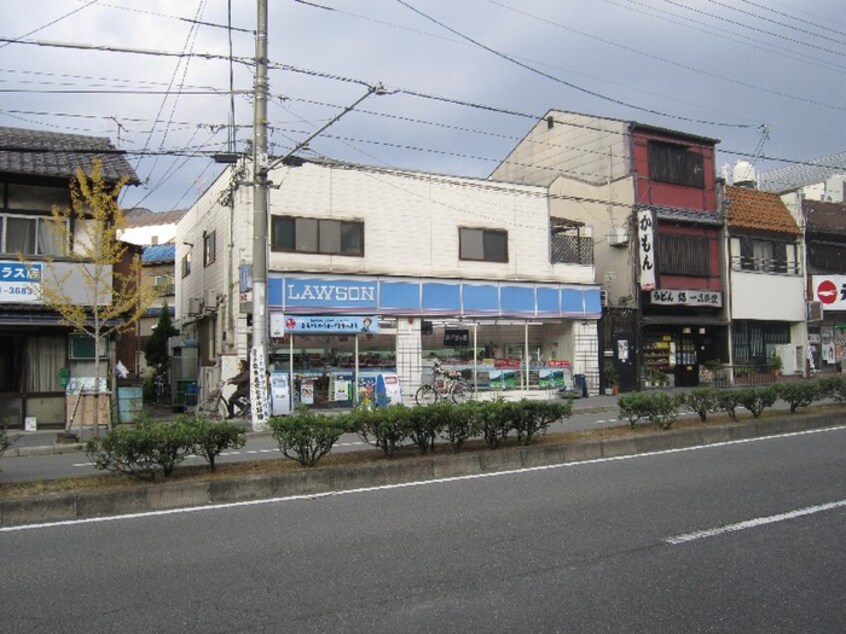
(241, 381)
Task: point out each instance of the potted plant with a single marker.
(611, 380)
(776, 364)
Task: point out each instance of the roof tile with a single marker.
(755, 209)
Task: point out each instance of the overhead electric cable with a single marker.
(541, 73)
(52, 22)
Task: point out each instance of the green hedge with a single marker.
(662, 408)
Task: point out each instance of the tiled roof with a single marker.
(824, 217)
(54, 154)
(678, 214)
(754, 209)
(159, 253)
(145, 218)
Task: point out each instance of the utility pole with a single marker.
(258, 360)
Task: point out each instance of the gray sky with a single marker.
(719, 68)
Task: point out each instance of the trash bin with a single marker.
(130, 403)
(580, 385)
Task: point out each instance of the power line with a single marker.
(51, 23)
(776, 22)
(541, 73)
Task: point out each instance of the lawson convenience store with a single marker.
(505, 337)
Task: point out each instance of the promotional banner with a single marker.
(304, 324)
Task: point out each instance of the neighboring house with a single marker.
(36, 350)
(825, 244)
(375, 270)
(649, 195)
(158, 266)
(145, 227)
(766, 280)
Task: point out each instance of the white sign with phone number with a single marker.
(20, 283)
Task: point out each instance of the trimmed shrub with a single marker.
(701, 401)
(489, 421)
(142, 451)
(456, 422)
(634, 406)
(305, 436)
(425, 423)
(5, 441)
(659, 408)
(833, 387)
(757, 399)
(529, 418)
(211, 438)
(385, 428)
(727, 401)
(664, 409)
(799, 393)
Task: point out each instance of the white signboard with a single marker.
(646, 261)
(258, 389)
(694, 298)
(830, 290)
(20, 283)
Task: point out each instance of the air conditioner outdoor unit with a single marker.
(195, 306)
(618, 236)
(210, 299)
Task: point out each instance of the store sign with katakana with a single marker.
(20, 283)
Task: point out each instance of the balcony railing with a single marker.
(764, 265)
(166, 289)
(571, 249)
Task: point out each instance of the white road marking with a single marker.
(407, 485)
(754, 523)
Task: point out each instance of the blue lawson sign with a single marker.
(339, 325)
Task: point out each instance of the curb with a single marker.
(58, 507)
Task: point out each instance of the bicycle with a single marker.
(161, 386)
(216, 406)
(448, 384)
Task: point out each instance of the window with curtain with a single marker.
(46, 355)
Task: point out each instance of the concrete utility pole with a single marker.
(258, 360)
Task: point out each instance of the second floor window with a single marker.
(769, 256)
(487, 245)
(186, 264)
(316, 235)
(675, 164)
(209, 248)
(683, 255)
(29, 235)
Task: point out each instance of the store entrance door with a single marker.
(687, 366)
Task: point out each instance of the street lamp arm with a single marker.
(378, 89)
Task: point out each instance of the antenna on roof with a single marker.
(119, 128)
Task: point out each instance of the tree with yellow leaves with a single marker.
(116, 294)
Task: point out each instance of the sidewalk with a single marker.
(43, 442)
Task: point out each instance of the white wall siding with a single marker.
(767, 297)
(411, 224)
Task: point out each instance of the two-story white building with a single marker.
(768, 296)
(379, 270)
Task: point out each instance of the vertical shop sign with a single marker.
(645, 236)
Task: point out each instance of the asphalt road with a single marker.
(737, 537)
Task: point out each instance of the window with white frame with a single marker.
(209, 248)
(29, 235)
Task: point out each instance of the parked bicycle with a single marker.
(161, 386)
(216, 406)
(446, 384)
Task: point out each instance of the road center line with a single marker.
(408, 485)
(754, 523)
